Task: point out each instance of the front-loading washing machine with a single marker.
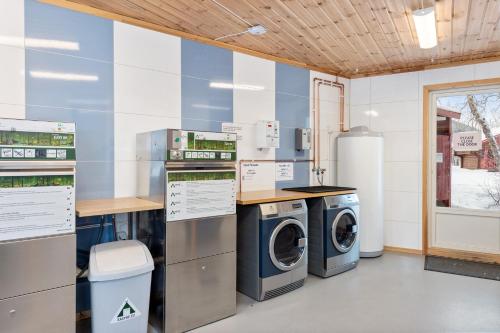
(333, 234)
(271, 248)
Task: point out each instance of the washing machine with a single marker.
(271, 248)
(333, 234)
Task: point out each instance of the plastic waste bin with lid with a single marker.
(120, 283)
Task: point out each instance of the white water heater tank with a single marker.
(360, 156)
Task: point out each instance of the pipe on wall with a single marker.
(317, 82)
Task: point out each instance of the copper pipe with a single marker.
(317, 82)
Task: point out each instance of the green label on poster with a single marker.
(36, 181)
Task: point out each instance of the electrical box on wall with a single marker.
(268, 134)
(302, 138)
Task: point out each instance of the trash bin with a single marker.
(120, 283)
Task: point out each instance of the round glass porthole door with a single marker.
(344, 230)
(287, 244)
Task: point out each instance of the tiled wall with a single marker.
(392, 104)
(115, 80)
(86, 98)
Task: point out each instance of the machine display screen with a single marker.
(194, 146)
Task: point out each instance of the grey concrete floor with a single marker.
(392, 293)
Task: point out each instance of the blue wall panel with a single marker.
(92, 35)
(292, 111)
(205, 108)
(80, 88)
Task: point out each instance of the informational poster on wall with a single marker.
(284, 171)
(200, 193)
(257, 176)
(36, 204)
(467, 141)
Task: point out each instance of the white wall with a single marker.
(329, 106)
(251, 106)
(12, 64)
(397, 102)
(147, 93)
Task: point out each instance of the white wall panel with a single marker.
(12, 23)
(145, 48)
(12, 111)
(250, 106)
(360, 91)
(457, 231)
(147, 94)
(12, 69)
(448, 74)
(393, 88)
(142, 91)
(487, 70)
(397, 101)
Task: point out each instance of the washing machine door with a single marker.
(287, 244)
(344, 230)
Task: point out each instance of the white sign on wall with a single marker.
(257, 176)
(233, 128)
(284, 171)
(466, 141)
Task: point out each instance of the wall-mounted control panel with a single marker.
(303, 137)
(268, 134)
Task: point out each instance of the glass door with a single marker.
(344, 231)
(287, 244)
(465, 169)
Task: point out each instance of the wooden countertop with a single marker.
(258, 197)
(86, 208)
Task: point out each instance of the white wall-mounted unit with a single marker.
(268, 134)
(361, 165)
(303, 139)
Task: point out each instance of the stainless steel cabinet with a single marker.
(50, 311)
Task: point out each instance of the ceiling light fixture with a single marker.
(63, 76)
(255, 30)
(425, 24)
(236, 86)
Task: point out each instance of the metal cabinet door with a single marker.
(37, 264)
(202, 237)
(51, 311)
(200, 292)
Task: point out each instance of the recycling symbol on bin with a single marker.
(126, 311)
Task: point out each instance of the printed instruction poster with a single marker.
(233, 128)
(284, 171)
(200, 193)
(36, 204)
(257, 176)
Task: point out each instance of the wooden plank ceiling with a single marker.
(346, 37)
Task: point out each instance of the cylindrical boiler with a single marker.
(360, 156)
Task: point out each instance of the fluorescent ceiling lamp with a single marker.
(223, 85)
(40, 43)
(425, 24)
(63, 76)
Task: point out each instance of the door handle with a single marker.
(302, 242)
